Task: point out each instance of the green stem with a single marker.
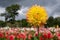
(38, 31)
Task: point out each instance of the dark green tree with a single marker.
(12, 10)
(50, 21)
(2, 24)
(11, 13)
(6, 15)
(23, 23)
(57, 21)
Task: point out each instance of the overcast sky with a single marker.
(52, 6)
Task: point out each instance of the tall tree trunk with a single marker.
(14, 18)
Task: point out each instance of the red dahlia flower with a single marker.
(47, 35)
(1, 35)
(41, 38)
(11, 37)
(21, 35)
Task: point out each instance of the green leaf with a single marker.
(35, 38)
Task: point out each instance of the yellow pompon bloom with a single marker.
(36, 15)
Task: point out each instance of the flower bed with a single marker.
(29, 34)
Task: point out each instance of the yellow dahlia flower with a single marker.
(36, 15)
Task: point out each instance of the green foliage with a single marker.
(24, 23)
(55, 38)
(57, 21)
(6, 15)
(11, 13)
(53, 21)
(50, 21)
(12, 10)
(35, 38)
(2, 24)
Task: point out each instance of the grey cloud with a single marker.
(48, 2)
(55, 10)
(56, 14)
(5, 3)
(39, 2)
(22, 13)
